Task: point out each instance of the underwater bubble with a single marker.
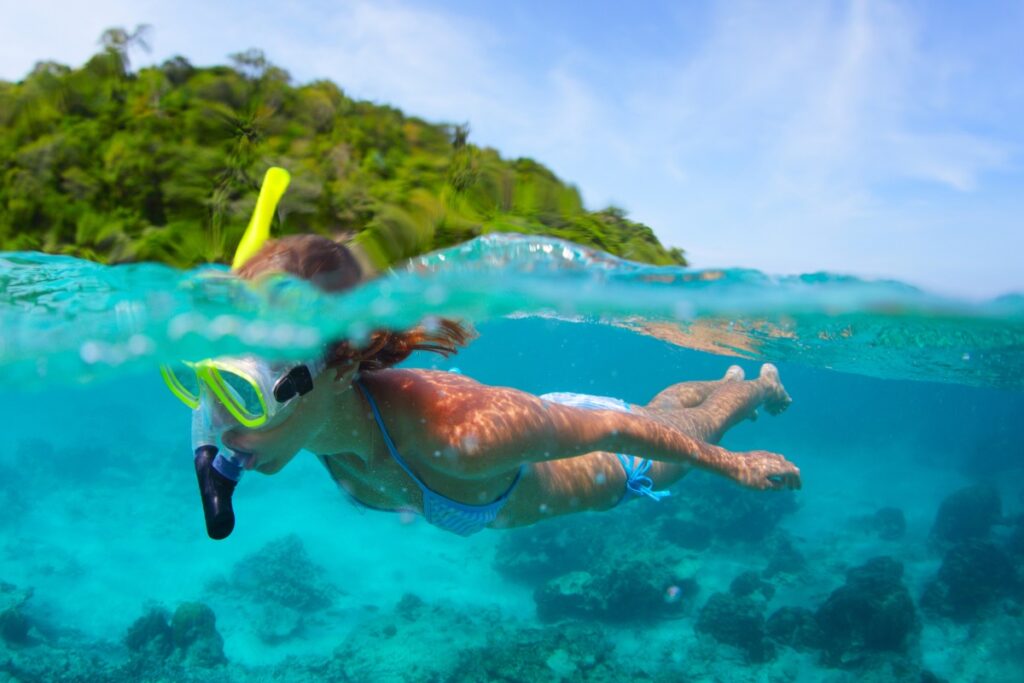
(600, 478)
(255, 333)
(382, 307)
(406, 516)
(435, 295)
(672, 594)
(90, 352)
(223, 326)
(140, 345)
(183, 323)
(684, 310)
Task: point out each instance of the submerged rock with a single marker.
(14, 625)
(873, 612)
(750, 582)
(189, 638)
(150, 635)
(280, 587)
(194, 631)
(630, 591)
(783, 557)
(571, 652)
(543, 551)
(424, 642)
(280, 572)
(966, 514)
(737, 621)
(973, 575)
(794, 627)
(731, 513)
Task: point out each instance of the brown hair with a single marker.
(334, 268)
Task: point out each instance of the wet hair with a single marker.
(332, 267)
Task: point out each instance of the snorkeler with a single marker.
(464, 455)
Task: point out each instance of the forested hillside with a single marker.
(163, 163)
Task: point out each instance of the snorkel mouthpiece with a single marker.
(215, 489)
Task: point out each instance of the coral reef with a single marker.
(575, 652)
(14, 625)
(973, 576)
(280, 585)
(966, 514)
(783, 556)
(729, 513)
(750, 583)
(188, 638)
(151, 635)
(737, 621)
(537, 553)
(632, 591)
(794, 627)
(419, 641)
(194, 632)
(872, 612)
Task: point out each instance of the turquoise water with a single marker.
(906, 423)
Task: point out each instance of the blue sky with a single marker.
(880, 139)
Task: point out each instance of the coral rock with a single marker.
(872, 612)
(795, 627)
(973, 575)
(14, 625)
(750, 582)
(966, 514)
(625, 592)
(736, 621)
(151, 635)
(194, 632)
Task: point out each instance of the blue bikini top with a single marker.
(441, 511)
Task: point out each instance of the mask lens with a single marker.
(240, 395)
(181, 379)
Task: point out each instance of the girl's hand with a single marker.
(763, 471)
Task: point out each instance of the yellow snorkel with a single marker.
(275, 182)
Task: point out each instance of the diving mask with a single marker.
(252, 390)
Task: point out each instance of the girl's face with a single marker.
(274, 444)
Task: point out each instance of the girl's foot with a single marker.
(734, 374)
(776, 399)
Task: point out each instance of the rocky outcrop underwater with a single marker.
(708, 586)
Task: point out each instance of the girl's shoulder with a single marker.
(418, 381)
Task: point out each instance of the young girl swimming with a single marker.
(464, 455)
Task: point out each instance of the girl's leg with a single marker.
(597, 481)
(692, 394)
(729, 404)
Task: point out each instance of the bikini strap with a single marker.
(637, 480)
(392, 449)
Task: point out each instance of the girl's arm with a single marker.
(496, 429)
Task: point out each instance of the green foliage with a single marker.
(164, 164)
